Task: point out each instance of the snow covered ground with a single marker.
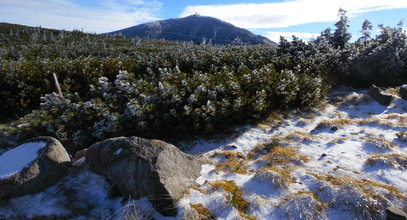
(345, 160)
(15, 160)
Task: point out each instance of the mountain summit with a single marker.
(196, 28)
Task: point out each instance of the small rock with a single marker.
(334, 128)
(322, 156)
(403, 91)
(240, 155)
(393, 213)
(402, 136)
(230, 147)
(381, 97)
(321, 125)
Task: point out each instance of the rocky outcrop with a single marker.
(381, 97)
(140, 167)
(44, 170)
(403, 91)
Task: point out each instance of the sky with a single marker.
(271, 18)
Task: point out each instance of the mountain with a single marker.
(199, 29)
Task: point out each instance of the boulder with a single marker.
(140, 167)
(403, 91)
(381, 97)
(394, 213)
(32, 167)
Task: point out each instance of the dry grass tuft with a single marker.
(235, 162)
(299, 137)
(235, 196)
(233, 166)
(364, 185)
(284, 171)
(303, 205)
(274, 118)
(229, 155)
(370, 204)
(393, 91)
(394, 160)
(3, 126)
(387, 121)
(338, 140)
(380, 143)
(281, 155)
(204, 214)
(366, 197)
(278, 178)
(402, 135)
(266, 147)
(130, 212)
(198, 189)
(352, 99)
(336, 122)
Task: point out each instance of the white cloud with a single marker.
(91, 15)
(275, 36)
(289, 13)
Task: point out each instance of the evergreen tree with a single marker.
(366, 28)
(341, 35)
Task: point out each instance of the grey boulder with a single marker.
(141, 167)
(381, 97)
(48, 164)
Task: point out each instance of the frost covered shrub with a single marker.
(170, 104)
(79, 60)
(382, 61)
(21, 85)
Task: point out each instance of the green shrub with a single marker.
(169, 104)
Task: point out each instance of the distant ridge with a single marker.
(196, 28)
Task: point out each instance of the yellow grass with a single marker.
(302, 136)
(204, 214)
(235, 166)
(364, 184)
(285, 172)
(393, 91)
(380, 142)
(281, 155)
(323, 204)
(236, 162)
(337, 122)
(235, 196)
(394, 159)
(353, 99)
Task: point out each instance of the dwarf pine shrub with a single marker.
(169, 103)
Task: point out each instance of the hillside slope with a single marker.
(345, 160)
(194, 28)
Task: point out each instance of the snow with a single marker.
(331, 183)
(118, 151)
(16, 159)
(342, 153)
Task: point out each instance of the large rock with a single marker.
(381, 97)
(394, 213)
(403, 91)
(140, 167)
(32, 167)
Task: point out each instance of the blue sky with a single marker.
(271, 18)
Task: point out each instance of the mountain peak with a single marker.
(196, 28)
